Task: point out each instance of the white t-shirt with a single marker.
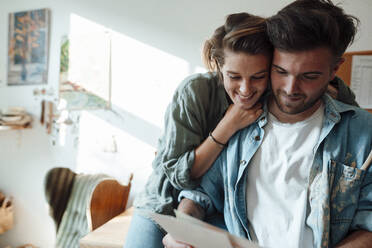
(278, 182)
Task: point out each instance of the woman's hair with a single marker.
(241, 32)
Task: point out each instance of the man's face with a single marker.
(299, 80)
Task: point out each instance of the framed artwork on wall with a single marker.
(28, 45)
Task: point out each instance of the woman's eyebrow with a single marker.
(232, 72)
(262, 71)
(278, 67)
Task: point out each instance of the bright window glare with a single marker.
(104, 148)
(200, 69)
(89, 56)
(144, 78)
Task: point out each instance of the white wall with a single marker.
(175, 27)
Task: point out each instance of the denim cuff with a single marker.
(200, 198)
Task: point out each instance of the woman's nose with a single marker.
(244, 88)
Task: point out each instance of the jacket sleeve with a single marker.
(210, 194)
(183, 133)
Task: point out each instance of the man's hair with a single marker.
(241, 32)
(308, 24)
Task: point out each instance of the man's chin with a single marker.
(291, 109)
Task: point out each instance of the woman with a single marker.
(206, 110)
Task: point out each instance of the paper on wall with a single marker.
(361, 80)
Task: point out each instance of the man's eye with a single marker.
(311, 77)
(258, 77)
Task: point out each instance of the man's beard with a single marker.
(297, 108)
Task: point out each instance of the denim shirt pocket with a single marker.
(344, 198)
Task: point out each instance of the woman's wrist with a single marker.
(223, 132)
(220, 144)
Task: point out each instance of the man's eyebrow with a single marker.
(259, 72)
(308, 72)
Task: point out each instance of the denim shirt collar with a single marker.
(333, 110)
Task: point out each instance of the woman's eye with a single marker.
(234, 77)
(281, 72)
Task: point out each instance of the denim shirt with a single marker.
(339, 192)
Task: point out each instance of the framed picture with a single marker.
(28, 46)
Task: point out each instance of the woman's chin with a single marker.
(245, 105)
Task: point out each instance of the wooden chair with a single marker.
(110, 220)
(109, 199)
(80, 203)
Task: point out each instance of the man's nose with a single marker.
(291, 85)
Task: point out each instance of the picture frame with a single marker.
(28, 47)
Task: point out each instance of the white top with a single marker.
(278, 182)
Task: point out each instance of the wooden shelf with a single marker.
(5, 127)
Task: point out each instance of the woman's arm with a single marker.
(235, 118)
(198, 107)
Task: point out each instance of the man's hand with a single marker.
(357, 239)
(189, 207)
(169, 242)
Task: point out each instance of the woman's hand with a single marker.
(332, 91)
(237, 118)
(234, 119)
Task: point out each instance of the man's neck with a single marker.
(291, 118)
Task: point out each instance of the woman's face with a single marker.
(245, 77)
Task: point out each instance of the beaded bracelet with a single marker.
(216, 141)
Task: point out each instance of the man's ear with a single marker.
(336, 66)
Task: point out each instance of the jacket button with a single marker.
(257, 138)
(242, 162)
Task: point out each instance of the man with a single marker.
(294, 178)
